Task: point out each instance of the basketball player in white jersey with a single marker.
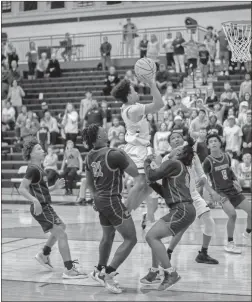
(138, 139)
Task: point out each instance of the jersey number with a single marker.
(97, 169)
(224, 174)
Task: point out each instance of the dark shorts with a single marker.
(233, 196)
(180, 216)
(48, 218)
(193, 62)
(114, 214)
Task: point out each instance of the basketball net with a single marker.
(238, 34)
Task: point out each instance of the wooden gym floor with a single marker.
(23, 279)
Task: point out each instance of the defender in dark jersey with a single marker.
(34, 188)
(218, 166)
(175, 189)
(104, 170)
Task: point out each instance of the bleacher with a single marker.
(71, 87)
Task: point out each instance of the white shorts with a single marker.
(200, 205)
(138, 154)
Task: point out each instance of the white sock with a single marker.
(154, 269)
(169, 270)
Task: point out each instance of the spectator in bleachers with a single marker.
(152, 126)
(179, 53)
(244, 172)
(115, 130)
(42, 66)
(199, 122)
(200, 145)
(44, 108)
(111, 80)
(29, 129)
(179, 105)
(232, 135)
(211, 97)
(247, 98)
(95, 115)
(245, 86)
(107, 113)
(199, 94)
(230, 102)
(204, 58)
(211, 47)
(180, 127)
(132, 78)
(169, 95)
(67, 53)
(105, 50)
(185, 120)
(50, 166)
(121, 141)
(168, 119)
(70, 123)
(52, 125)
(143, 45)
(230, 112)
(247, 135)
(53, 68)
(169, 50)
(219, 110)
(214, 126)
(71, 166)
(192, 54)
(14, 73)
(85, 105)
(15, 95)
(129, 34)
(193, 115)
(227, 87)
(43, 135)
(20, 121)
(211, 34)
(162, 78)
(161, 145)
(153, 49)
(13, 57)
(8, 116)
(223, 53)
(32, 56)
(242, 115)
(186, 99)
(4, 83)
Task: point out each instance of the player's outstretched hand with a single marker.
(151, 82)
(37, 208)
(60, 184)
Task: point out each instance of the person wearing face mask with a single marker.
(110, 81)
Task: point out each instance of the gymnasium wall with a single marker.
(166, 15)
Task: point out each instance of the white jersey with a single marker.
(137, 133)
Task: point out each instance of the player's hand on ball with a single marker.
(37, 207)
(60, 183)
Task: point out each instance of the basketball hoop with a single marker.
(238, 34)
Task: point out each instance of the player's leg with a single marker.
(72, 174)
(229, 209)
(245, 205)
(174, 242)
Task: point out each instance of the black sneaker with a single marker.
(89, 201)
(205, 258)
(143, 224)
(169, 280)
(152, 277)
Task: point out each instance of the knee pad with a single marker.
(208, 224)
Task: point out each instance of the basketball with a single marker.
(145, 69)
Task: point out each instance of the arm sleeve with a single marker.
(117, 160)
(207, 166)
(32, 174)
(198, 167)
(167, 169)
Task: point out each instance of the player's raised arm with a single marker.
(157, 102)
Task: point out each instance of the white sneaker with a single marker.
(110, 283)
(44, 260)
(246, 235)
(74, 273)
(226, 73)
(95, 276)
(232, 248)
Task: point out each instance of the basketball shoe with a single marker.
(203, 257)
(74, 272)
(44, 260)
(169, 280)
(152, 277)
(109, 282)
(232, 248)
